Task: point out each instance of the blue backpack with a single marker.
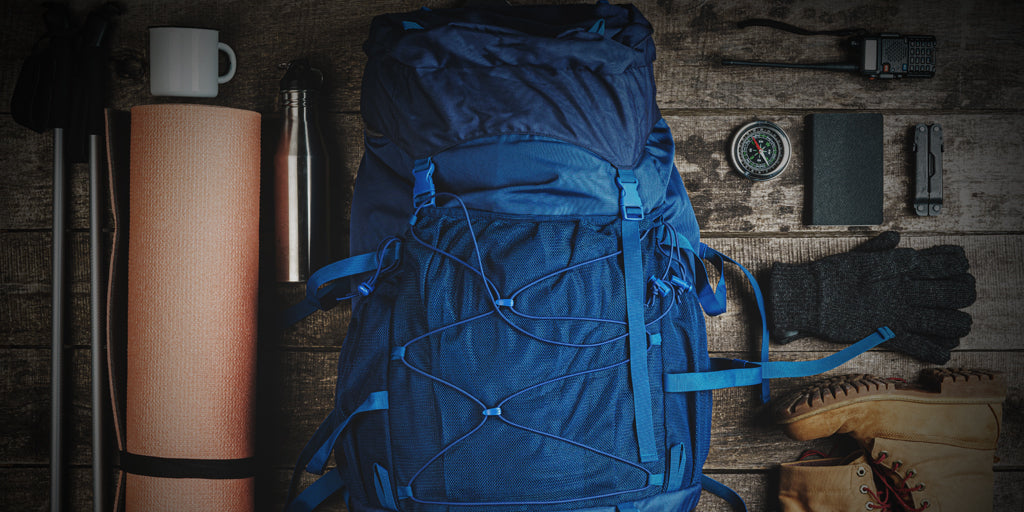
(530, 286)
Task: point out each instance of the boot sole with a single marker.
(935, 385)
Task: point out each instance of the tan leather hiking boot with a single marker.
(830, 485)
(934, 443)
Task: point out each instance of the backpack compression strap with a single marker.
(632, 209)
(719, 259)
(723, 491)
(727, 373)
(313, 458)
(325, 287)
(713, 299)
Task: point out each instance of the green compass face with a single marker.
(760, 150)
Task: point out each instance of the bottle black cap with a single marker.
(301, 76)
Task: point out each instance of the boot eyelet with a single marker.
(911, 473)
(919, 487)
(925, 503)
(864, 489)
(861, 471)
(869, 506)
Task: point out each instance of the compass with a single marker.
(760, 150)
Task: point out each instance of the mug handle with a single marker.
(231, 63)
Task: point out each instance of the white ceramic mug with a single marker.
(183, 61)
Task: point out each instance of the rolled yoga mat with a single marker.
(192, 298)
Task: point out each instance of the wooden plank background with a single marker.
(977, 96)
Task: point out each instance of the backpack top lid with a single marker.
(524, 110)
(580, 74)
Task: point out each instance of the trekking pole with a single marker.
(41, 101)
(59, 24)
(94, 60)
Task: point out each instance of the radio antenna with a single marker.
(833, 66)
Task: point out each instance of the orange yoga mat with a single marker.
(192, 289)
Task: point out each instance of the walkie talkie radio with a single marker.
(884, 56)
(896, 56)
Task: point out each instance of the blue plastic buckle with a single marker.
(423, 187)
(629, 199)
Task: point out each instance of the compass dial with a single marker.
(760, 150)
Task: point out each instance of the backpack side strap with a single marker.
(313, 458)
(723, 491)
(727, 373)
(318, 492)
(705, 252)
(325, 286)
(713, 299)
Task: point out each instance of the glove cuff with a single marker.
(794, 303)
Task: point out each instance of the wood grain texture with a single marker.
(983, 187)
(25, 405)
(694, 36)
(760, 491)
(995, 260)
(25, 300)
(26, 489)
(296, 392)
(977, 96)
(976, 67)
(26, 161)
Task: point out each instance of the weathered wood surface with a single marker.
(29, 485)
(977, 61)
(977, 96)
(996, 263)
(982, 180)
(983, 189)
(297, 386)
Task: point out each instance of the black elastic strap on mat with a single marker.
(208, 469)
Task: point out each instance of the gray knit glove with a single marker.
(847, 296)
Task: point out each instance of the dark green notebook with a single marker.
(844, 169)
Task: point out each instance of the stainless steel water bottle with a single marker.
(300, 177)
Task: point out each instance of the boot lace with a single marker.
(879, 500)
(896, 484)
